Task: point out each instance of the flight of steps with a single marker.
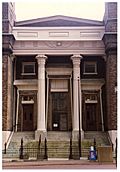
(58, 144)
(100, 137)
(14, 146)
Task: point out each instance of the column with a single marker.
(76, 59)
(41, 126)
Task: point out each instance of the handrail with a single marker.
(38, 151)
(45, 155)
(7, 142)
(116, 151)
(70, 156)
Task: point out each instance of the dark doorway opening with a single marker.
(60, 111)
(90, 112)
(27, 117)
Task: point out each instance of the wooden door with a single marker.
(27, 117)
(90, 113)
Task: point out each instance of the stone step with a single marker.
(25, 135)
(61, 149)
(14, 146)
(58, 135)
(101, 137)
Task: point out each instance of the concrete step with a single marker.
(101, 137)
(58, 149)
(61, 149)
(58, 136)
(14, 146)
(27, 136)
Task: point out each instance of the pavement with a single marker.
(57, 164)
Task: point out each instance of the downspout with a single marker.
(47, 101)
(16, 125)
(101, 107)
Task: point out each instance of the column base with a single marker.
(42, 133)
(75, 135)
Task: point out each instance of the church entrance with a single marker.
(59, 106)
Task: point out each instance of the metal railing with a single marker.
(6, 143)
(37, 152)
(116, 152)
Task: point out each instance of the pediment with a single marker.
(58, 21)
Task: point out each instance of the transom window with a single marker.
(90, 67)
(28, 68)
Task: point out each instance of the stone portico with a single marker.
(58, 77)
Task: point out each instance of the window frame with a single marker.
(95, 68)
(25, 64)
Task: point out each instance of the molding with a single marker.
(92, 84)
(59, 33)
(91, 101)
(59, 71)
(58, 45)
(27, 102)
(59, 17)
(26, 84)
(60, 52)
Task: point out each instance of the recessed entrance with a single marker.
(90, 113)
(59, 107)
(27, 117)
(59, 111)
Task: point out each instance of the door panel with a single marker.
(28, 117)
(91, 117)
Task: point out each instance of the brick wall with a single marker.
(110, 17)
(4, 91)
(110, 41)
(8, 18)
(111, 80)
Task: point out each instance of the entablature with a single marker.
(59, 33)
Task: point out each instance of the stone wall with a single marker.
(110, 41)
(111, 81)
(4, 91)
(8, 18)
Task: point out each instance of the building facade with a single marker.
(59, 74)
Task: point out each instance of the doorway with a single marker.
(59, 111)
(27, 117)
(90, 113)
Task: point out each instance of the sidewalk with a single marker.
(57, 164)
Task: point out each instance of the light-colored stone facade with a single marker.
(60, 57)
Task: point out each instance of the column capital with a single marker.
(76, 58)
(12, 56)
(41, 58)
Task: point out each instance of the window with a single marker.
(90, 67)
(28, 68)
